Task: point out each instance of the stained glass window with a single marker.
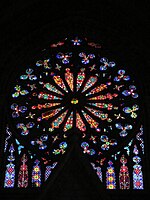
(74, 89)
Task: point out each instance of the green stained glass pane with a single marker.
(16, 94)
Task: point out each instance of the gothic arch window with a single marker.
(73, 89)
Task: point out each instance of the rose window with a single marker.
(74, 89)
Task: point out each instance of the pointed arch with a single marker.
(56, 96)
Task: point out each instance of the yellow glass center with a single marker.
(74, 101)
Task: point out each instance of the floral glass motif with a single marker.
(106, 64)
(131, 92)
(76, 41)
(61, 149)
(124, 129)
(25, 128)
(17, 110)
(44, 63)
(121, 76)
(19, 91)
(64, 57)
(132, 110)
(74, 90)
(28, 75)
(86, 149)
(86, 58)
(107, 142)
(40, 142)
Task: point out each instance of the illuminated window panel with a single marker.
(92, 80)
(80, 78)
(69, 78)
(74, 92)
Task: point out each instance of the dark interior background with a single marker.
(121, 27)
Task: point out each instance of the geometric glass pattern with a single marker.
(74, 89)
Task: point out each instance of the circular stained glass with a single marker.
(74, 89)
